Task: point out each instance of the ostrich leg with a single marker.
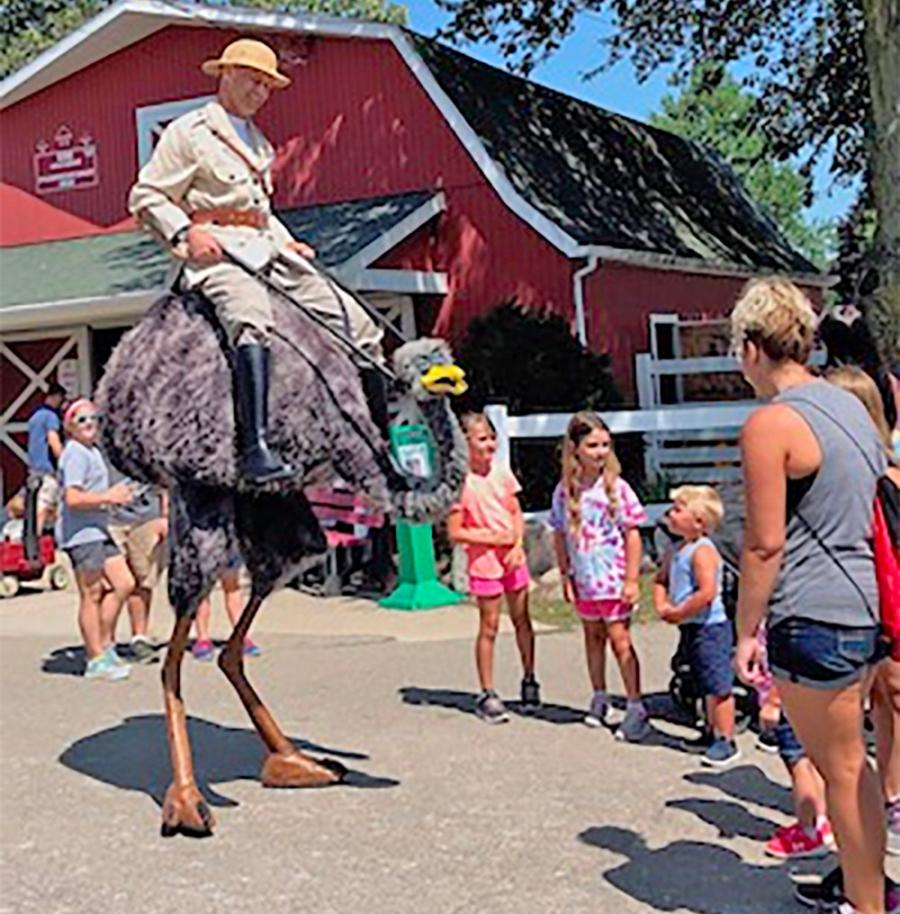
(184, 809)
(285, 765)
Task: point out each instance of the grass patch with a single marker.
(549, 608)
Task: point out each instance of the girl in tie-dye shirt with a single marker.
(595, 516)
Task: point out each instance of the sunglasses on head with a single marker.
(84, 418)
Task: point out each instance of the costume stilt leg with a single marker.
(184, 809)
(285, 765)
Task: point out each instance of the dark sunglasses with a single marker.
(84, 418)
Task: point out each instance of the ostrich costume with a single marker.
(166, 396)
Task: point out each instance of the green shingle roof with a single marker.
(103, 266)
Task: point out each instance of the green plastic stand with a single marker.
(419, 587)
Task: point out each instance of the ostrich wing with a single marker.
(167, 399)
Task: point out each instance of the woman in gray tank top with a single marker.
(811, 459)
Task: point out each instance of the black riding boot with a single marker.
(251, 382)
(375, 388)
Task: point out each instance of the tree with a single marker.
(28, 27)
(825, 77)
(713, 110)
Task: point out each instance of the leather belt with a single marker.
(247, 218)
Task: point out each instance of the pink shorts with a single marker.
(494, 587)
(604, 610)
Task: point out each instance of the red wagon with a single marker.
(15, 566)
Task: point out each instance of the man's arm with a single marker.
(162, 183)
(55, 443)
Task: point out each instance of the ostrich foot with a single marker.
(186, 812)
(294, 769)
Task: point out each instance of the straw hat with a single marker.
(247, 52)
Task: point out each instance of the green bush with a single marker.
(532, 363)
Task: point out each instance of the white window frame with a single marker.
(150, 116)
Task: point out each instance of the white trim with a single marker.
(407, 282)
(37, 380)
(14, 88)
(397, 233)
(147, 117)
(578, 280)
(655, 261)
(76, 311)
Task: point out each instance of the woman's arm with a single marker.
(764, 453)
(79, 500)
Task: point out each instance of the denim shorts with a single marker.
(820, 655)
(789, 749)
(91, 556)
(708, 649)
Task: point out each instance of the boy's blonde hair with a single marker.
(775, 315)
(855, 381)
(703, 501)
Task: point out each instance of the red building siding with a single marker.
(621, 298)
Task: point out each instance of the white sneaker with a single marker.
(104, 667)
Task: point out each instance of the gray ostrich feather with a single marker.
(167, 399)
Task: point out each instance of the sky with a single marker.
(617, 89)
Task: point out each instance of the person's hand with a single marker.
(161, 529)
(667, 612)
(202, 246)
(569, 594)
(631, 593)
(515, 558)
(120, 494)
(506, 538)
(748, 660)
(302, 248)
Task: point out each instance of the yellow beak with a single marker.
(445, 379)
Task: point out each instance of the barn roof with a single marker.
(348, 236)
(607, 179)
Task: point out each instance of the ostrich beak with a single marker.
(445, 379)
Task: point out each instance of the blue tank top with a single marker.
(683, 583)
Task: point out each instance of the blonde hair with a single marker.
(702, 501)
(855, 381)
(468, 421)
(776, 316)
(580, 426)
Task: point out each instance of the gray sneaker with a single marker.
(143, 651)
(634, 727)
(599, 710)
(490, 709)
(893, 828)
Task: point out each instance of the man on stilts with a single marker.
(207, 187)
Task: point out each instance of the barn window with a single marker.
(151, 120)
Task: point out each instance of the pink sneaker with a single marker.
(793, 843)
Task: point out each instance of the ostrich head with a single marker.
(426, 376)
(425, 369)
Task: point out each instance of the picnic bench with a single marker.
(346, 518)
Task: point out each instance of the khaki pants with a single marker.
(245, 308)
(144, 550)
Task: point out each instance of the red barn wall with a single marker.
(620, 299)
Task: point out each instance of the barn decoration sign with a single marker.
(65, 163)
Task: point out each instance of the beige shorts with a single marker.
(143, 549)
(48, 493)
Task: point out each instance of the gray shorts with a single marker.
(91, 556)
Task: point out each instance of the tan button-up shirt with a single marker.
(201, 163)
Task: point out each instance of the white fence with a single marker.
(686, 422)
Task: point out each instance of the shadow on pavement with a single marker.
(134, 756)
(731, 819)
(747, 783)
(688, 875)
(465, 702)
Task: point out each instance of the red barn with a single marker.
(436, 185)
